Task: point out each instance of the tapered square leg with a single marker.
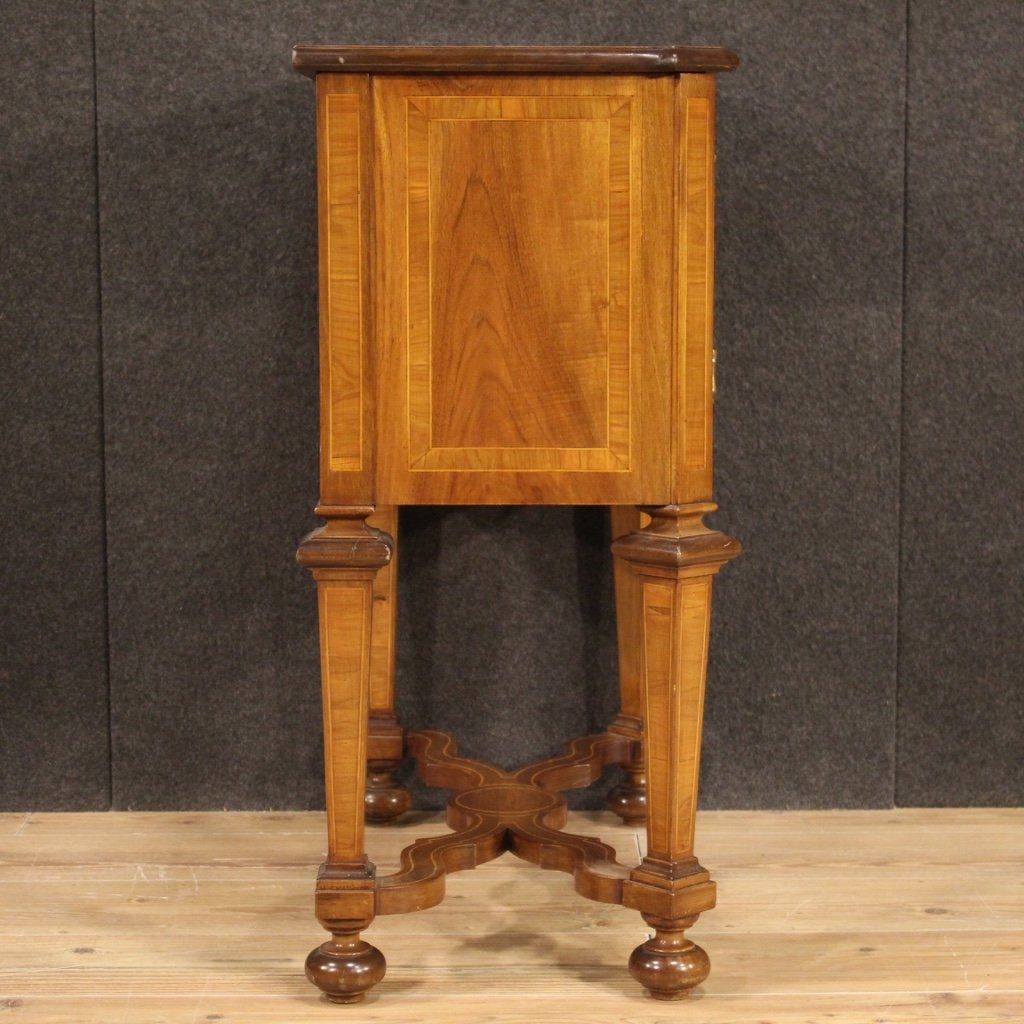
(674, 560)
(345, 557)
(386, 798)
(629, 799)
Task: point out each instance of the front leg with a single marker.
(674, 559)
(344, 557)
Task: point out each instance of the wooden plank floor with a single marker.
(837, 917)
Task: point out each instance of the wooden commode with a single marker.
(516, 249)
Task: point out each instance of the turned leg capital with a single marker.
(677, 539)
(345, 542)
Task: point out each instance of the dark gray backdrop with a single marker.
(158, 444)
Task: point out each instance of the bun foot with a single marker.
(669, 965)
(629, 799)
(386, 799)
(345, 969)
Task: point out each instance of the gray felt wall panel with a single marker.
(961, 722)
(507, 635)
(209, 276)
(207, 236)
(207, 217)
(53, 683)
(810, 186)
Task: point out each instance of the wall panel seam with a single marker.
(901, 433)
(101, 374)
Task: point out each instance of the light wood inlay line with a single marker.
(696, 281)
(469, 159)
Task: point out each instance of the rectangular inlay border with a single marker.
(623, 202)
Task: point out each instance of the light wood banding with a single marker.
(695, 302)
(344, 174)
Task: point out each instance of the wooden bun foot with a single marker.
(629, 799)
(346, 968)
(669, 965)
(386, 798)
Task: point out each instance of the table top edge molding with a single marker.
(312, 59)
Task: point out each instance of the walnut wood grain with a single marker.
(626, 519)
(495, 811)
(695, 210)
(312, 59)
(597, 875)
(492, 328)
(420, 882)
(584, 759)
(438, 762)
(530, 328)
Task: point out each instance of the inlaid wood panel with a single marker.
(524, 264)
(695, 368)
(503, 359)
(345, 169)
